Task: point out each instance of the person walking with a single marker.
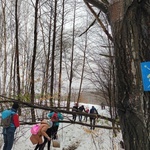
(81, 109)
(8, 132)
(75, 109)
(54, 116)
(87, 111)
(93, 118)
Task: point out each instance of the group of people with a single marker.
(48, 130)
(48, 127)
(80, 109)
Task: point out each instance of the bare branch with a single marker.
(103, 6)
(100, 22)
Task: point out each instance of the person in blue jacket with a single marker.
(52, 132)
(93, 111)
(55, 119)
(8, 132)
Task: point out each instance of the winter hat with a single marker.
(50, 123)
(15, 106)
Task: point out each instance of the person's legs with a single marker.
(93, 123)
(49, 133)
(8, 138)
(48, 145)
(5, 141)
(37, 146)
(74, 117)
(54, 132)
(86, 118)
(43, 144)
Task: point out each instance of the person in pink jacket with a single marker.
(38, 138)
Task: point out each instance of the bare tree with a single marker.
(53, 54)
(61, 51)
(17, 52)
(34, 59)
(4, 37)
(83, 68)
(72, 57)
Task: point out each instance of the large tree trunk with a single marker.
(131, 36)
(130, 22)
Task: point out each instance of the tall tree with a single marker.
(34, 59)
(17, 51)
(129, 21)
(61, 51)
(83, 67)
(72, 56)
(4, 38)
(53, 54)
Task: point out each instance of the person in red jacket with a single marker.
(8, 133)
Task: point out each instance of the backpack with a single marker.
(93, 111)
(6, 118)
(35, 129)
(54, 117)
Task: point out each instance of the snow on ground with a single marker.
(73, 136)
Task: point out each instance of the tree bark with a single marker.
(61, 51)
(53, 55)
(130, 24)
(72, 56)
(131, 48)
(17, 53)
(33, 59)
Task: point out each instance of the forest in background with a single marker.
(48, 47)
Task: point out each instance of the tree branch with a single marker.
(99, 21)
(103, 6)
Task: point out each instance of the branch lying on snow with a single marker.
(22, 104)
(75, 122)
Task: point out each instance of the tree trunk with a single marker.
(53, 56)
(83, 67)
(4, 37)
(17, 54)
(130, 22)
(33, 60)
(131, 36)
(61, 51)
(72, 56)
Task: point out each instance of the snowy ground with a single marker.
(72, 136)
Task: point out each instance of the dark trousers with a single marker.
(39, 147)
(8, 135)
(51, 132)
(80, 118)
(74, 117)
(92, 123)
